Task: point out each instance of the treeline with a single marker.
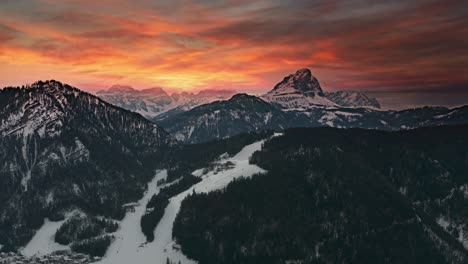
(94, 246)
(81, 227)
(158, 203)
(183, 160)
(337, 196)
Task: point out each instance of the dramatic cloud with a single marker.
(389, 48)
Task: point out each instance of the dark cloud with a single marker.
(373, 45)
(7, 33)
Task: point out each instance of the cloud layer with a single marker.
(372, 45)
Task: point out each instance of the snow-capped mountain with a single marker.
(353, 99)
(299, 101)
(61, 148)
(244, 113)
(298, 91)
(155, 101)
(302, 90)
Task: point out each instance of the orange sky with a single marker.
(377, 46)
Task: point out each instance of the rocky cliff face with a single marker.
(298, 91)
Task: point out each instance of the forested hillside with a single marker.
(339, 196)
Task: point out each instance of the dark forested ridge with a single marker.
(64, 149)
(339, 196)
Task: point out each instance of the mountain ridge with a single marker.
(239, 115)
(298, 91)
(68, 149)
(153, 102)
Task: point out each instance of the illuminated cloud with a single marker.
(376, 46)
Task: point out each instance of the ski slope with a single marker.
(130, 246)
(43, 242)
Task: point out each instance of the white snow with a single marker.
(464, 189)
(154, 102)
(443, 222)
(446, 115)
(43, 241)
(347, 113)
(130, 246)
(328, 119)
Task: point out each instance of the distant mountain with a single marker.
(221, 119)
(352, 99)
(153, 102)
(339, 196)
(302, 90)
(298, 91)
(298, 101)
(63, 149)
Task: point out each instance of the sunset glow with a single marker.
(376, 46)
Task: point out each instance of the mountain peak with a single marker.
(300, 90)
(154, 91)
(121, 88)
(304, 73)
(241, 96)
(55, 89)
(302, 82)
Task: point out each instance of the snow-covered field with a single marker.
(43, 242)
(130, 246)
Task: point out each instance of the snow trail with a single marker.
(43, 242)
(129, 239)
(131, 247)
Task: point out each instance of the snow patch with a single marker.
(43, 242)
(347, 114)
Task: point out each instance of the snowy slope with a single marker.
(130, 245)
(43, 242)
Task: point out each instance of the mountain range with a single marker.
(390, 188)
(153, 103)
(299, 101)
(299, 91)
